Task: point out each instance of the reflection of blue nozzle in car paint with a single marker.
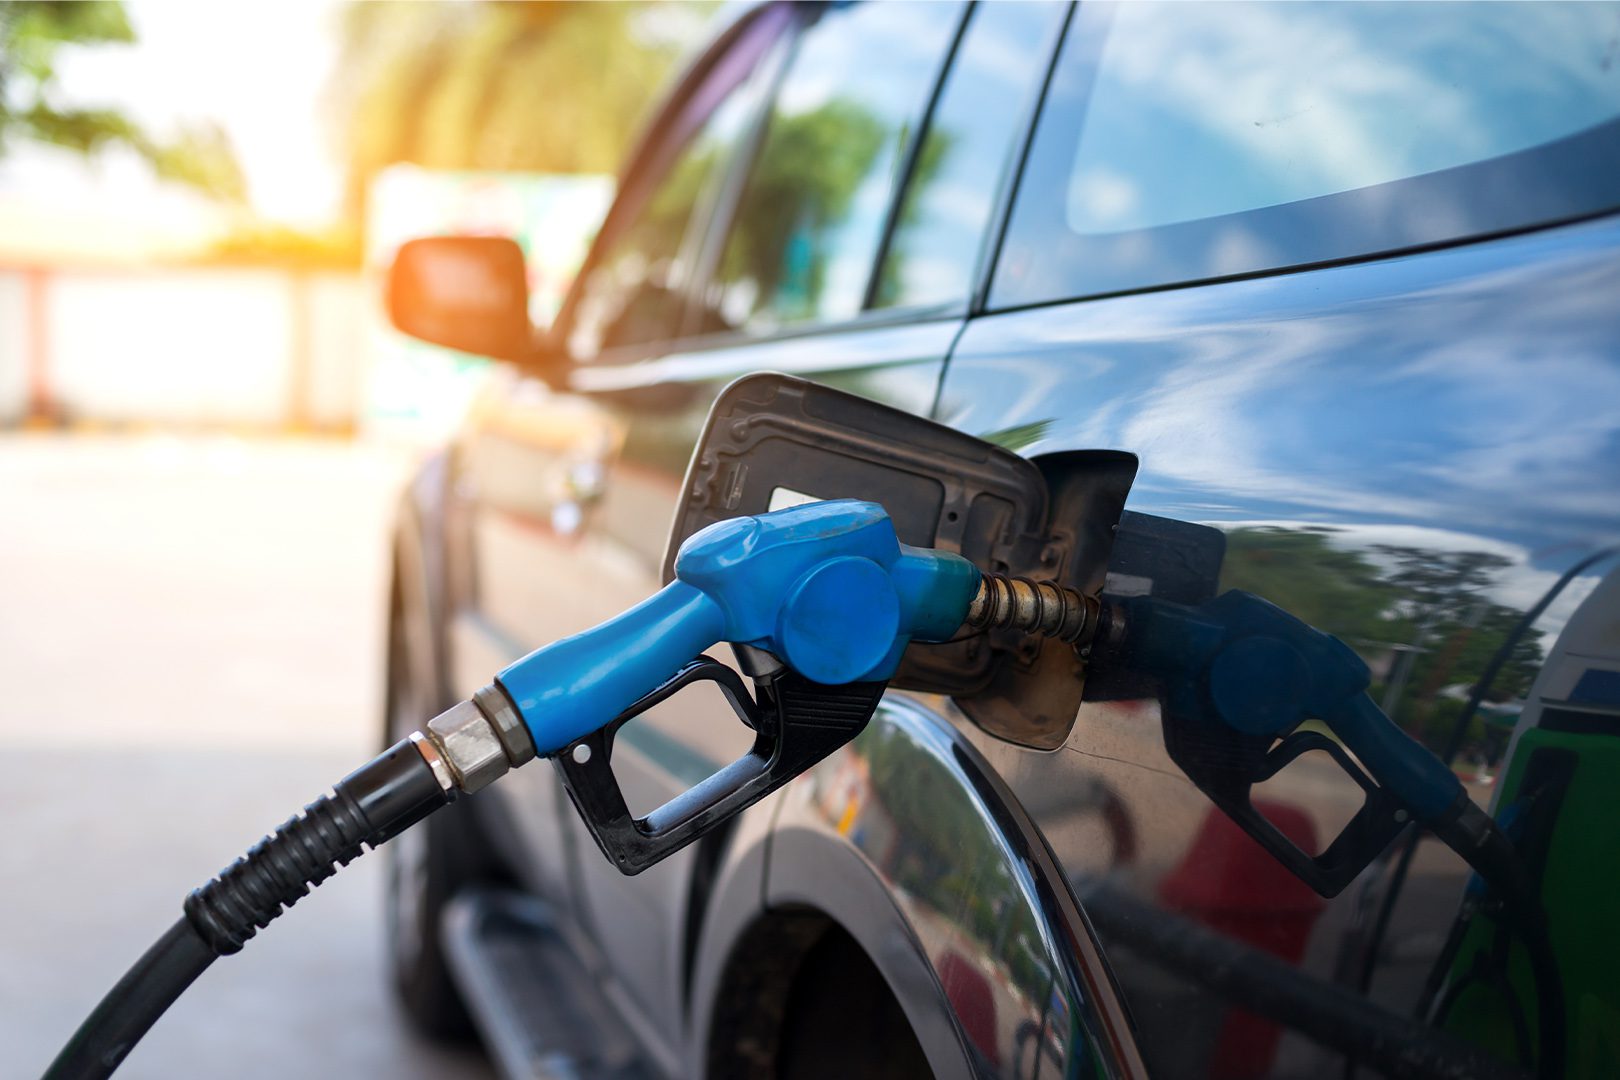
(1248, 665)
(1237, 678)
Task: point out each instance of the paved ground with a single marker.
(190, 639)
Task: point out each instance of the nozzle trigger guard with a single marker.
(796, 723)
(1229, 773)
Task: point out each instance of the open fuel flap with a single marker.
(773, 441)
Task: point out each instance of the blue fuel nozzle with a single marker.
(826, 587)
(1254, 668)
(1238, 678)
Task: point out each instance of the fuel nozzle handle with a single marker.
(826, 587)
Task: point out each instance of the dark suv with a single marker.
(1345, 279)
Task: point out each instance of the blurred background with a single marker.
(204, 425)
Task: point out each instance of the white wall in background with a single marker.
(340, 307)
(180, 346)
(190, 346)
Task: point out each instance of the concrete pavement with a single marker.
(190, 647)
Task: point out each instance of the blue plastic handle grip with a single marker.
(572, 687)
(826, 587)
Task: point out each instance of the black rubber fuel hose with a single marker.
(1330, 1015)
(374, 803)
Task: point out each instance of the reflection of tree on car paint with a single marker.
(1423, 617)
(927, 845)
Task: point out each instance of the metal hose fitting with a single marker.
(1034, 607)
(473, 743)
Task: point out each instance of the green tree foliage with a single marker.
(1330, 588)
(799, 191)
(1431, 600)
(547, 87)
(32, 33)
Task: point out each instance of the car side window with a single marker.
(635, 291)
(964, 158)
(806, 230)
(1185, 142)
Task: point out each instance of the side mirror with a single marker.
(464, 292)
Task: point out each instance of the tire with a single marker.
(426, 866)
(800, 1000)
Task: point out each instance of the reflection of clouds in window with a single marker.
(1006, 57)
(849, 261)
(935, 260)
(859, 41)
(933, 274)
(1279, 103)
(957, 203)
(1103, 195)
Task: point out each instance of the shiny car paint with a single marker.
(1433, 434)
(1451, 411)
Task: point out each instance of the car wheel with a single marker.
(426, 867)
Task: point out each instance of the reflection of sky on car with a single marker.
(1250, 399)
(1280, 103)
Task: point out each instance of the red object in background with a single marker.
(974, 1002)
(1228, 883)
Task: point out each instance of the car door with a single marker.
(530, 463)
(821, 260)
(1361, 333)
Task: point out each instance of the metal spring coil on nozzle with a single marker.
(1035, 607)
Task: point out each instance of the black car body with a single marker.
(1345, 278)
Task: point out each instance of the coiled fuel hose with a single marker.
(826, 587)
(456, 753)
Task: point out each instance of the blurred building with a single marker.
(88, 338)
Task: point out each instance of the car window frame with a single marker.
(1001, 199)
(654, 153)
(719, 225)
(625, 360)
(984, 271)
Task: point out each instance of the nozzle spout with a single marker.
(1034, 607)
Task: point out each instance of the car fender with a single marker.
(910, 842)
